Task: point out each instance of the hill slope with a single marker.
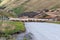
(32, 5)
(41, 4)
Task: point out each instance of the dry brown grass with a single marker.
(14, 4)
(6, 25)
(33, 5)
(41, 4)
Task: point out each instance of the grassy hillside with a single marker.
(41, 4)
(0, 1)
(32, 5)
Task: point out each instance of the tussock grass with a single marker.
(8, 28)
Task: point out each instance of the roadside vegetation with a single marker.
(57, 22)
(9, 27)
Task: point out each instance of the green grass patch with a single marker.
(56, 6)
(11, 27)
(19, 9)
(19, 25)
(25, 39)
(0, 1)
(57, 22)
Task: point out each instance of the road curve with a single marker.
(43, 31)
